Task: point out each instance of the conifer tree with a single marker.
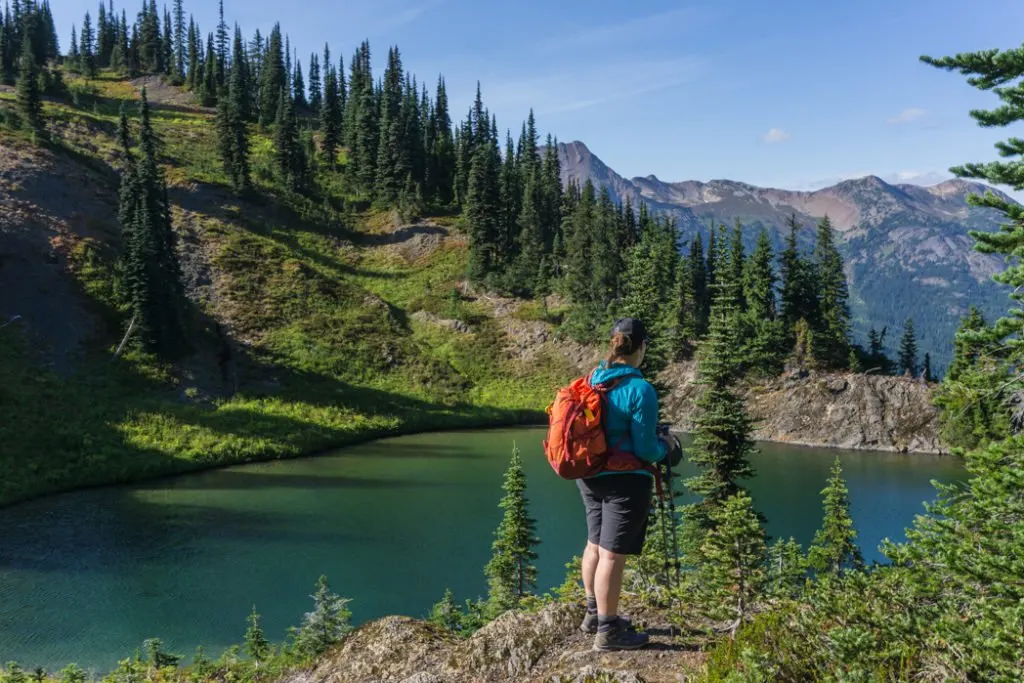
(86, 48)
(721, 436)
(701, 293)
(759, 280)
(787, 569)
(330, 117)
(483, 207)
(316, 93)
(908, 349)
(442, 154)
(74, 57)
(734, 554)
(795, 275)
(152, 277)
(737, 264)
(762, 333)
(194, 60)
(232, 132)
(526, 274)
(511, 573)
(210, 86)
(299, 86)
(240, 80)
(179, 41)
(256, 644)
(167, 46)
(927, 372)
(222, 46)
(832, 336)
(363, 129)
(272, 78)
(446, 613)
(993, 70)
(684, 309)
(103, 47)
(328, 623)
(391, 166)
(29, 97)
(835, 545)
(288, 153)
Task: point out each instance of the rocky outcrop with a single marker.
(853, 411)
(542, 647)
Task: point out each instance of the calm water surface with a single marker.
(87, 576)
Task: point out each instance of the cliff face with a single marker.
(859, 412)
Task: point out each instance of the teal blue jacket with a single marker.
(631, 414)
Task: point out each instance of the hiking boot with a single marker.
(620, 638)
(589, 624)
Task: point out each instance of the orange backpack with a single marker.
(576, 446)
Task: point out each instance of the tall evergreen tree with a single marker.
(483, 206)
(832, 336)
(232, 131)
(511, 573)
(29, 97)
(87, 48)
(74, 57)
(222, 46)
(721, 436)
(210, 88)
(288, 152)
(299, 86)
(701, 292)
(835, 545)
(442, 154)
(927, 371)
(362, 126)
(194, 59)
(272, 78)
(908, 349)
(736, 266)
(152, 277)
(391, 161)
(179, 41)
(330, 117)
(762, 333)
(797, 302)
(316, 93)
(734, 554)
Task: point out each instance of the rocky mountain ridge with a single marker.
(907, 248)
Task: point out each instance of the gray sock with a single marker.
(591, 604)
(606, 624)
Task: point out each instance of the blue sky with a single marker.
(790, 93)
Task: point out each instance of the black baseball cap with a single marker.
(632, 328)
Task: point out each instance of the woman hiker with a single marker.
(618, 499)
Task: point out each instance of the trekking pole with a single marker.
(675, 523)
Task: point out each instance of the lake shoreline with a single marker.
(470, 424)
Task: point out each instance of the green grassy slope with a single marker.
(316, 304)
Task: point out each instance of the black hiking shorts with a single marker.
(618, 506)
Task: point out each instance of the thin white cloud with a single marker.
(643, 27)
(403, 14)
(583, 87)
(907, 116)
(775, 135)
